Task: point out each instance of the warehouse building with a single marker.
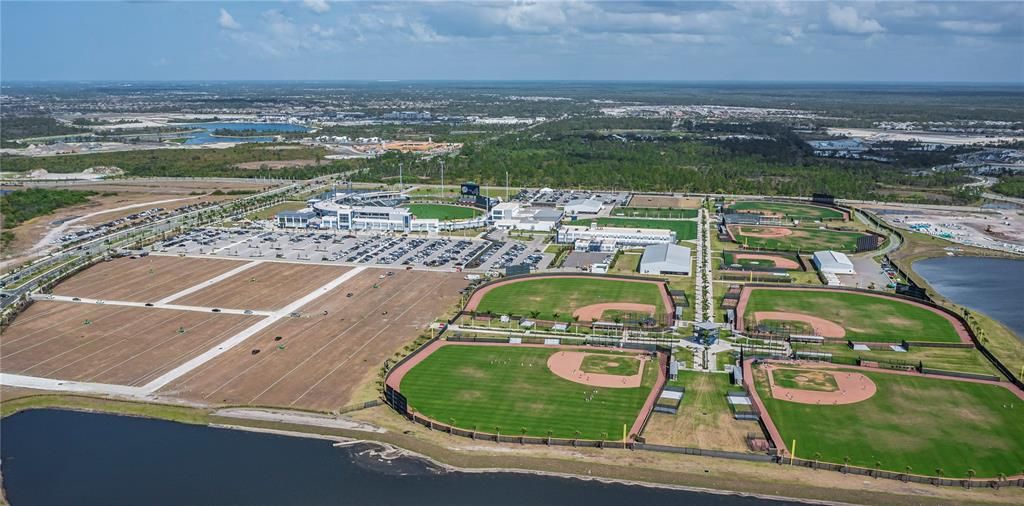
(612, 238)
(833, 262)
(666, 258)
(578, 207)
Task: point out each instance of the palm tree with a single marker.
(549, 436)
(817, 457)
(878, 466)
(522, 439)
(577, 437)
(908, 471)
(970, 476)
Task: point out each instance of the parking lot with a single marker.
(559, 198)
(378, 249)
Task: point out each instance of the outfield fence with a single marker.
(906, 477)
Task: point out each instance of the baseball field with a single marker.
(512, 390)
(849, 315)
(910, 423)
(562, 298)
(441, 212)
(787, 210)
(795, 239)
(685, 230)
(759, 261)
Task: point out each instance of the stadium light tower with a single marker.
(401, 186)
(442, 178)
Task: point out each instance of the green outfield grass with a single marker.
(761, 263)
(921, 422)
(801, 239)
(865, 318)
(557, 298)
(947, 359)
(685, 230)
(508, 389)
(641, 212)
(442, 212)
(791, 211)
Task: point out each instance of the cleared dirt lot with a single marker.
(270, 285)
(119, 345)
(660, 201)
(325, 358)
(145, 279)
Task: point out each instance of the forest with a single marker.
(20, 206)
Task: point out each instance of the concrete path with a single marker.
(157, 305)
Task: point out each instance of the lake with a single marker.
(207, 137)
(990, 285)
(65, 457)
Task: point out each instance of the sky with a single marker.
(881, 41)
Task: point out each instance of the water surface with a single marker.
(64, 457)
(207, 137)
(994, 286)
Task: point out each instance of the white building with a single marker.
(666, 258)
(514, 215)
(617, 237)
(577, 207)
(833, 262)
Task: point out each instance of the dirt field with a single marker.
(321, 360)
(851, 388)
(144, 279)
(119, 345)
(270, 285)
(664, 201)
(568, 365)
(821, 326)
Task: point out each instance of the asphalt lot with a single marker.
(381, 249)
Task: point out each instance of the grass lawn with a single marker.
(921, 422)
(729, 259)
(685, 230)
(640, 212)
(557, 298)
(947, 359)
(627, 263)
(801, 239)
(805, 380)
(865, 318)
(442, 212)
(791, 211)
(509, 389)
(601, 363)
(270, 212)
(704, 419)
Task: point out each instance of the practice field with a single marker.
(920, 422)
(794, 239)
(607, 363)
(442, 212)
(267, 286)
(558, 298)
(664, 201)
(326, 357)
(787, 210)
(863, 317)
(510, 390)
(110, 344)
(644, 212)
(145, 279)
(685, 230)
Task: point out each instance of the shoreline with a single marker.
(603, 465)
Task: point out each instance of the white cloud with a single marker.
(321, 31)
(848, 20)
(317, 6)
(227, 21)
(975, 27)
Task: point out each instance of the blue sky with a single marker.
(972, 41)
